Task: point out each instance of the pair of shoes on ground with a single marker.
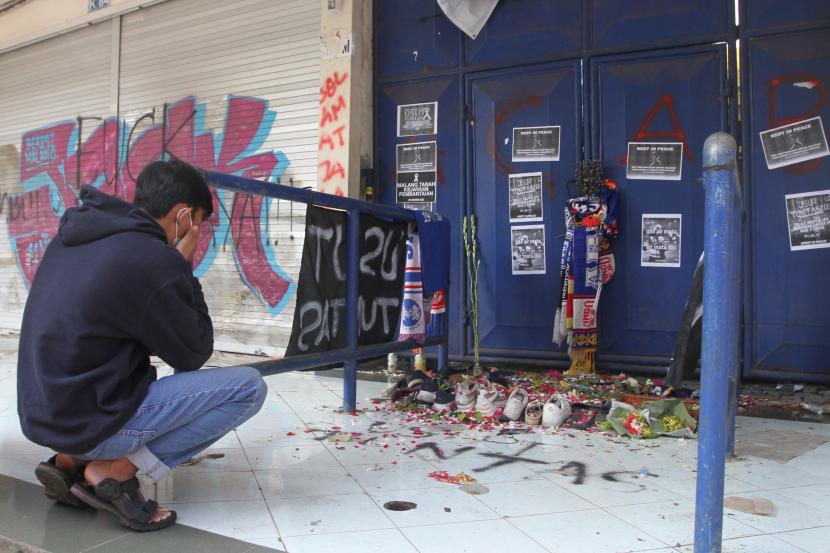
(481, 396)
(122, 499)
(436, 392)
(552, 413)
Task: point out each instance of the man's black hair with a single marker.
(163, 184)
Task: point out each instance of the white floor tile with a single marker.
(21, 467)
(12, 440)
(536, 497)
(301, 482)
(492, 536)
(814, 540)
(404, 474)
(755, 544)
(234, 460)
(311, 397)
(242, 520)
(272, 543)
(770, 475)
(814, 461)
(228, 441)
(373, 452)
(489, 466)
(275, 404)
(683, 482)
(613, 490)
(191, 487)
(311, 456)
(816, 496)
(270, 431)
(674, 522)
(370, 541)
(435, 506)
(789, 514)
(327, 514)
(589, 531)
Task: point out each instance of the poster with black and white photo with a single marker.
(794, 143)
(660, 246)
(415, 187)
(654, 161)
(536, 143)
(808, 219)
(418, 119)
(525, 195)
(528, 248)
(412, 158)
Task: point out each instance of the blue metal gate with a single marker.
(786, 65)
(516, 311)
(674, 96)
(610, 73)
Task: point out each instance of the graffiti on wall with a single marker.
(55, 163)
(778, 116)
(646, 132)
(332, 145)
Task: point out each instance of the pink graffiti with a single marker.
(114, 154)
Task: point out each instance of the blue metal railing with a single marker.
(352, 353)
(721, 335)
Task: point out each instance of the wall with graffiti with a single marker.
(229, 90)
(241, 240)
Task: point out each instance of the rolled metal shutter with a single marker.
(240, 81)
(44, 88)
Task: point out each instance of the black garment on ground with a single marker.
(109, 292)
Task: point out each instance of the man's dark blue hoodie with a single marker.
(109, 292)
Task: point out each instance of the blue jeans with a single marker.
(182, 415)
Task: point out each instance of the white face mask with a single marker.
(176, 240)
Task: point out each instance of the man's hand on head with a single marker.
(187, 245)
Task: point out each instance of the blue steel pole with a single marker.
(720, 337)
(352, 323)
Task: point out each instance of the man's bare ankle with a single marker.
(66, 462)
(119, 470)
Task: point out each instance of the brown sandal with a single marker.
(131, 510)
(57, 482)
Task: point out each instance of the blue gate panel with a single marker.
(447, 92)
(677, 97)
(638, 23)
(414, 37)
(769, 15)
(517, 311)
(526, 30)
(789, 80)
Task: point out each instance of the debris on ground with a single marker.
(400, 505)
(751, 505)
(201, 457)
(444, 476)
(475, 489)
(817, 409)
(591, 398)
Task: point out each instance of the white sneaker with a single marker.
(487, 397)
(516, 404)
(465, 396)
(556, 411)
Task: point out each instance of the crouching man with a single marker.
(114, 286)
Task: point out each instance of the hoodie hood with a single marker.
(101, 215)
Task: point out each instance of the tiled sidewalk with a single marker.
(283, 484)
